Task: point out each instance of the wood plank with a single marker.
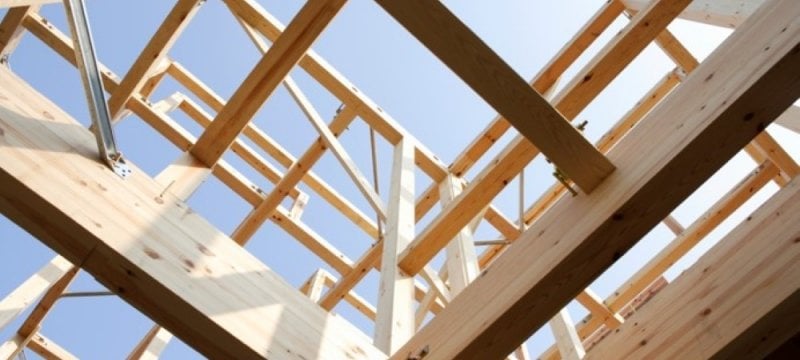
(152, 344)
(11, 30)
(620, 52)
(18, 3)
(166, 241)
(500, 86)
(462, 260)
(152, 54)
(265, 77)
(738, 301)
(34, 321)
(724, 13)
(580, 237)
(569, 345)
(26, 293)
(394, 324)
(790, 119)
(48, 349)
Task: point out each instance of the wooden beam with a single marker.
(739, 300)
(24, 295)
(254, 14)
(580, 237)
(610, 62)
(696, 232)
(48, 349)
(394, 324)
(261, 213)
(11, 30)
(567, 340)
(500, 86)
(724, 13)
(462, 260)
(270, 71)
(329, 138)
(152, 344)
(152, 54)
(597, 308)
(790, 119)
(19, 3)
(34, 321)
(130, 254)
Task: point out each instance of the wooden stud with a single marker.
(48, 349)
(152, 344)
(23, 296)
(727, 13)
(394, 324)
(569, 345)
(10, 30)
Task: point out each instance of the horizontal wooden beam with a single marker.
(162, 250)
(725, 13)
(265, 77)
(739, 300)
(580, 237)
(500, 86)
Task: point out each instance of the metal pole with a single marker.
(93, 86)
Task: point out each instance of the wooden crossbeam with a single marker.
(520, 152)
(24, 295)
(270, 71)
(11, 30)
(129, 255)
(499, 85)
(48, 349)
(738, 301)
(150, 57)
(725, 13)
(578, 239)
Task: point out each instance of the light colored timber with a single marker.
(19, 3)
(394, 323)
(152, 344)
(128, 254)
(150, 57)
(569, 345)
(268, 73)
(500, 86)
(610, 62)
(254, 14)
(462, 261)
(48, 349)
(739, 300)
(261, 213)
(573, 243)
(595, 305)
(270, 146)
(11, 30)
(697, 231)
(26, 293)
(790, 119)
(724, 13)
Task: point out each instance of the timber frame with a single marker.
(150, 249)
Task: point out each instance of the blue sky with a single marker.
(392, 68)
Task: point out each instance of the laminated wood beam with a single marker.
(580, 237)
(23, 296)
(724, 13)
(270, 71)
(610, 62)
(158, 248)
(739, 300)
(500, 86)
(152, 55)
(395, 323)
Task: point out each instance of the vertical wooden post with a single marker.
(394, 324)
(569, 344)
(462, 261)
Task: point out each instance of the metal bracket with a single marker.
(93, 87)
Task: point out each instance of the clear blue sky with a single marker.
(387, 64)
